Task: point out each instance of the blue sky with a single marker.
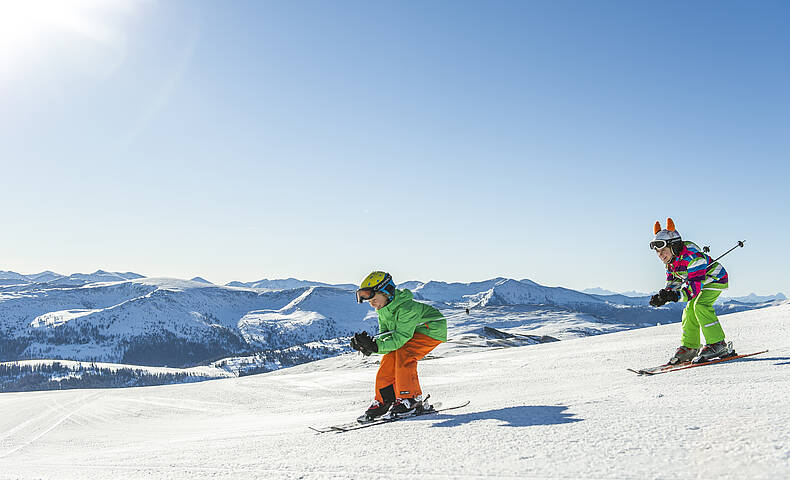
(453, 141)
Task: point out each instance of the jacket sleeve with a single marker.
(405, 324)
(672, 282)
(697, 269)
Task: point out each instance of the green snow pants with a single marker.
(699, 314)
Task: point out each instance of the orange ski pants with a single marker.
(399, 367)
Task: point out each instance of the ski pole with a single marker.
(380, 334)
(739, 244)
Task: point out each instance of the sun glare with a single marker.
(29, 28)
(25, 22)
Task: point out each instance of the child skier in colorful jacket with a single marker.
(410, 330)
(694, 278)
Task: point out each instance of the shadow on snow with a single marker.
(524, 416)
(782, 360)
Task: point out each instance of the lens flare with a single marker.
(26, 26)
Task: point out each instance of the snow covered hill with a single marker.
(561, 410)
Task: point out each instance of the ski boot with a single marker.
(720, 349)
(683, 355)
(405, 407)
(374, 411)
(377, 409)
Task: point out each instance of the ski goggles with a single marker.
(364, 294)
(658, 244)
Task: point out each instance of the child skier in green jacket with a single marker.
(409, 330)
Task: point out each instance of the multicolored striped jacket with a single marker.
(693, 270)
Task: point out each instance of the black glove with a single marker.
(656, 301)
(364, 343)
(663, 296)
(669, 295)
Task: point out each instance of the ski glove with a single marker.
(663, 296)
(364, 343)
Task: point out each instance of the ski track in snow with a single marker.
(562, 410)
(40, 426)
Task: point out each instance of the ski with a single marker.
(683, 366)
(658, 369)
(347, 427)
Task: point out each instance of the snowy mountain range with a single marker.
(753, 298)
(168, 321)
(56, 279)
(125, 318)
(603, 291)
(287, 283)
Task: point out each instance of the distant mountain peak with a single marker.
(603, 291)
(598, 291)
(754, 298)
(9, 275)
(287, 284)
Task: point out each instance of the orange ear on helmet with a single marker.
(670, 225)
(656, 228)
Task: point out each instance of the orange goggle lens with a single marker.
(365, 294)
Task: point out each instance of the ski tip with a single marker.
(639, 372)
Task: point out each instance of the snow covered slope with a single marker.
(562, 410)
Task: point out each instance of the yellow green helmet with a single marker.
(376, 282)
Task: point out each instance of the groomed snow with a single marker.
(562, 410)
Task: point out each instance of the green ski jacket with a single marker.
(403, 317)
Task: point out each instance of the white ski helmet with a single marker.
(667, 237)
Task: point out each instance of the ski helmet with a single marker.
(667, 237)
(376, 282)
